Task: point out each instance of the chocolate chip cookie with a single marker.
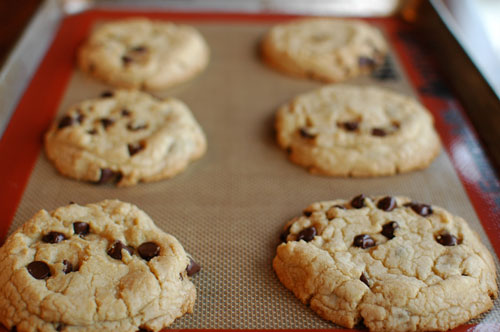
(98, 267)
(325, 49)
(125, 136)
(346, 130)
(142, 53)
(388, 262)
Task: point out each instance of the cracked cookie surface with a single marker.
(99, 267)
(143, 53)
(387, 262)
(329, 50)
(125, 136)
(346, 130)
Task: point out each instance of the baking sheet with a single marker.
(228, 208)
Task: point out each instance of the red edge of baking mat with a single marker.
(22, 140)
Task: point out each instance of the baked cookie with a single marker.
(325, 49)
(344, 130)
(99, 267)
(125, 136)
(387, 262)
(140, 53)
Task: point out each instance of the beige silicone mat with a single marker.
(228, 208)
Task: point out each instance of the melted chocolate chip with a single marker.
(39, 270)
(389, 228)
(126, 60)
(358, 202)
(365, 61)
(192, 267)
(81, 228)
(387, 203)
(422, 209)
(68, 267)
(134, 148)
(107, 122)
(447, 239)
(307, 213)
(115, 251)
(125, 112)
(148, 250)
(107, 94)
(131, 127)
(379, 132)
(305, 134)
(364, 241)
(80, 118)
(65, 122)
(139, 49)
(364, 279)
(108, 175)
(350, 125)
(284, 234)
(307, 234)
(53, 237)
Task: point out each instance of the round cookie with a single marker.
(325, 49)
(387, 262)
(99, 267)
(141, 53)
(125, 136)
(344, 130)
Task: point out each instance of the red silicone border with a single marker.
(22, 140)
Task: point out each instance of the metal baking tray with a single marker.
(228, 208)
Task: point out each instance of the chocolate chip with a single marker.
(358, 202)
(364, 241)
(92, 131)
(447, 239)
(389, 228)
(126, 112)
(53, 237)
(131, 127)
(350, 125)
(307, 213)
(134, 148)
(80, 118)
(115, 250)
(107, 122)
(192, 267)
(13, 329)
(148, 250)
(422, 209)
(126, 59)
(387, 203)
(68, 267)
(284, 234)
(366, 61)
(65, 122)
(60, 327)
(39, 270)
(108, 175)
(81, 228)
(107, 94)
(141, 329)
(378, 132)
(305, 134)
(364, 279)
(139, 49)
(307, 234)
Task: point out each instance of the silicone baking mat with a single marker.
(228, 208)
